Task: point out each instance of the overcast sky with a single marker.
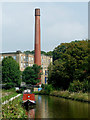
(60, 23)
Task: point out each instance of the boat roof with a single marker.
(27, 91)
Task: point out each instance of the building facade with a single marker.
(26, 60)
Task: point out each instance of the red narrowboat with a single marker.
(28, 97)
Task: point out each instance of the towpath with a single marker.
(5, 102)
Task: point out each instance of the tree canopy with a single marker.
(10, 72)
(70, 64)
(50, 53)
(31, 75)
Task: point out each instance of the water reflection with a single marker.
(54, 107)
(30, 110)
(31, 113)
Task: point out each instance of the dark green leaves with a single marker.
(70, 64)
(10, 72)
(31, 75)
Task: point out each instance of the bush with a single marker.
(85, 86)
(48, 88)
(9, 86)
(88, 86)
(77, 86)
(42, 86)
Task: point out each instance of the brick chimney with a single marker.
(37, 57)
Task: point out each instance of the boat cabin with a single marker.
(27, 91)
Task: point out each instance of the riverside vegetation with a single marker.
(7, 94)
(78, 96)
(68, 76)
(69, 72)
(12, 109)
(70, 67)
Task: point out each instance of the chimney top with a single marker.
(37, 12)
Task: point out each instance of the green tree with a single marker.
(58, 76)
(70, 64)
(50, 53)
(10, 72)
(31, 75)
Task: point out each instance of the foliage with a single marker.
(13, 110)
(31, 75)
(0, 72)
(29, 52)
(8, 96)
(33, 51)
(50, 53)
(46, 89)
(10, 72)
(76, 86)
(89, 84)
(70, 64)
(79, 96)
(42, 86)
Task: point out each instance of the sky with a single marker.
(60, 22)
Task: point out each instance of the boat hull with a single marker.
(29, 103)
(29, 99)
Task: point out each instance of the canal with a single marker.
(55, 107)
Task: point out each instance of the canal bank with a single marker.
(47, 106)
(77, 96)
(13, 109)
(12, 105)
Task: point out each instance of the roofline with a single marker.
(19, 52)
(9, 53)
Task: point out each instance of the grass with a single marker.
(7, 94)
(8, 97)
(79, 96)
(71, 95)
(13, 109)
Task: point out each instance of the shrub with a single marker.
(77, 86)
(48, 88)
(9, 86)
(85, 86)
(42, 85)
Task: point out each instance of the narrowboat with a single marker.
(28, 98)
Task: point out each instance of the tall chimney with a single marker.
(37, 57)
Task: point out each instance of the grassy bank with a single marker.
(71, 95)
(13, 109)
(7, 94)
(79, 96)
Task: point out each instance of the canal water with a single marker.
(55, 107)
